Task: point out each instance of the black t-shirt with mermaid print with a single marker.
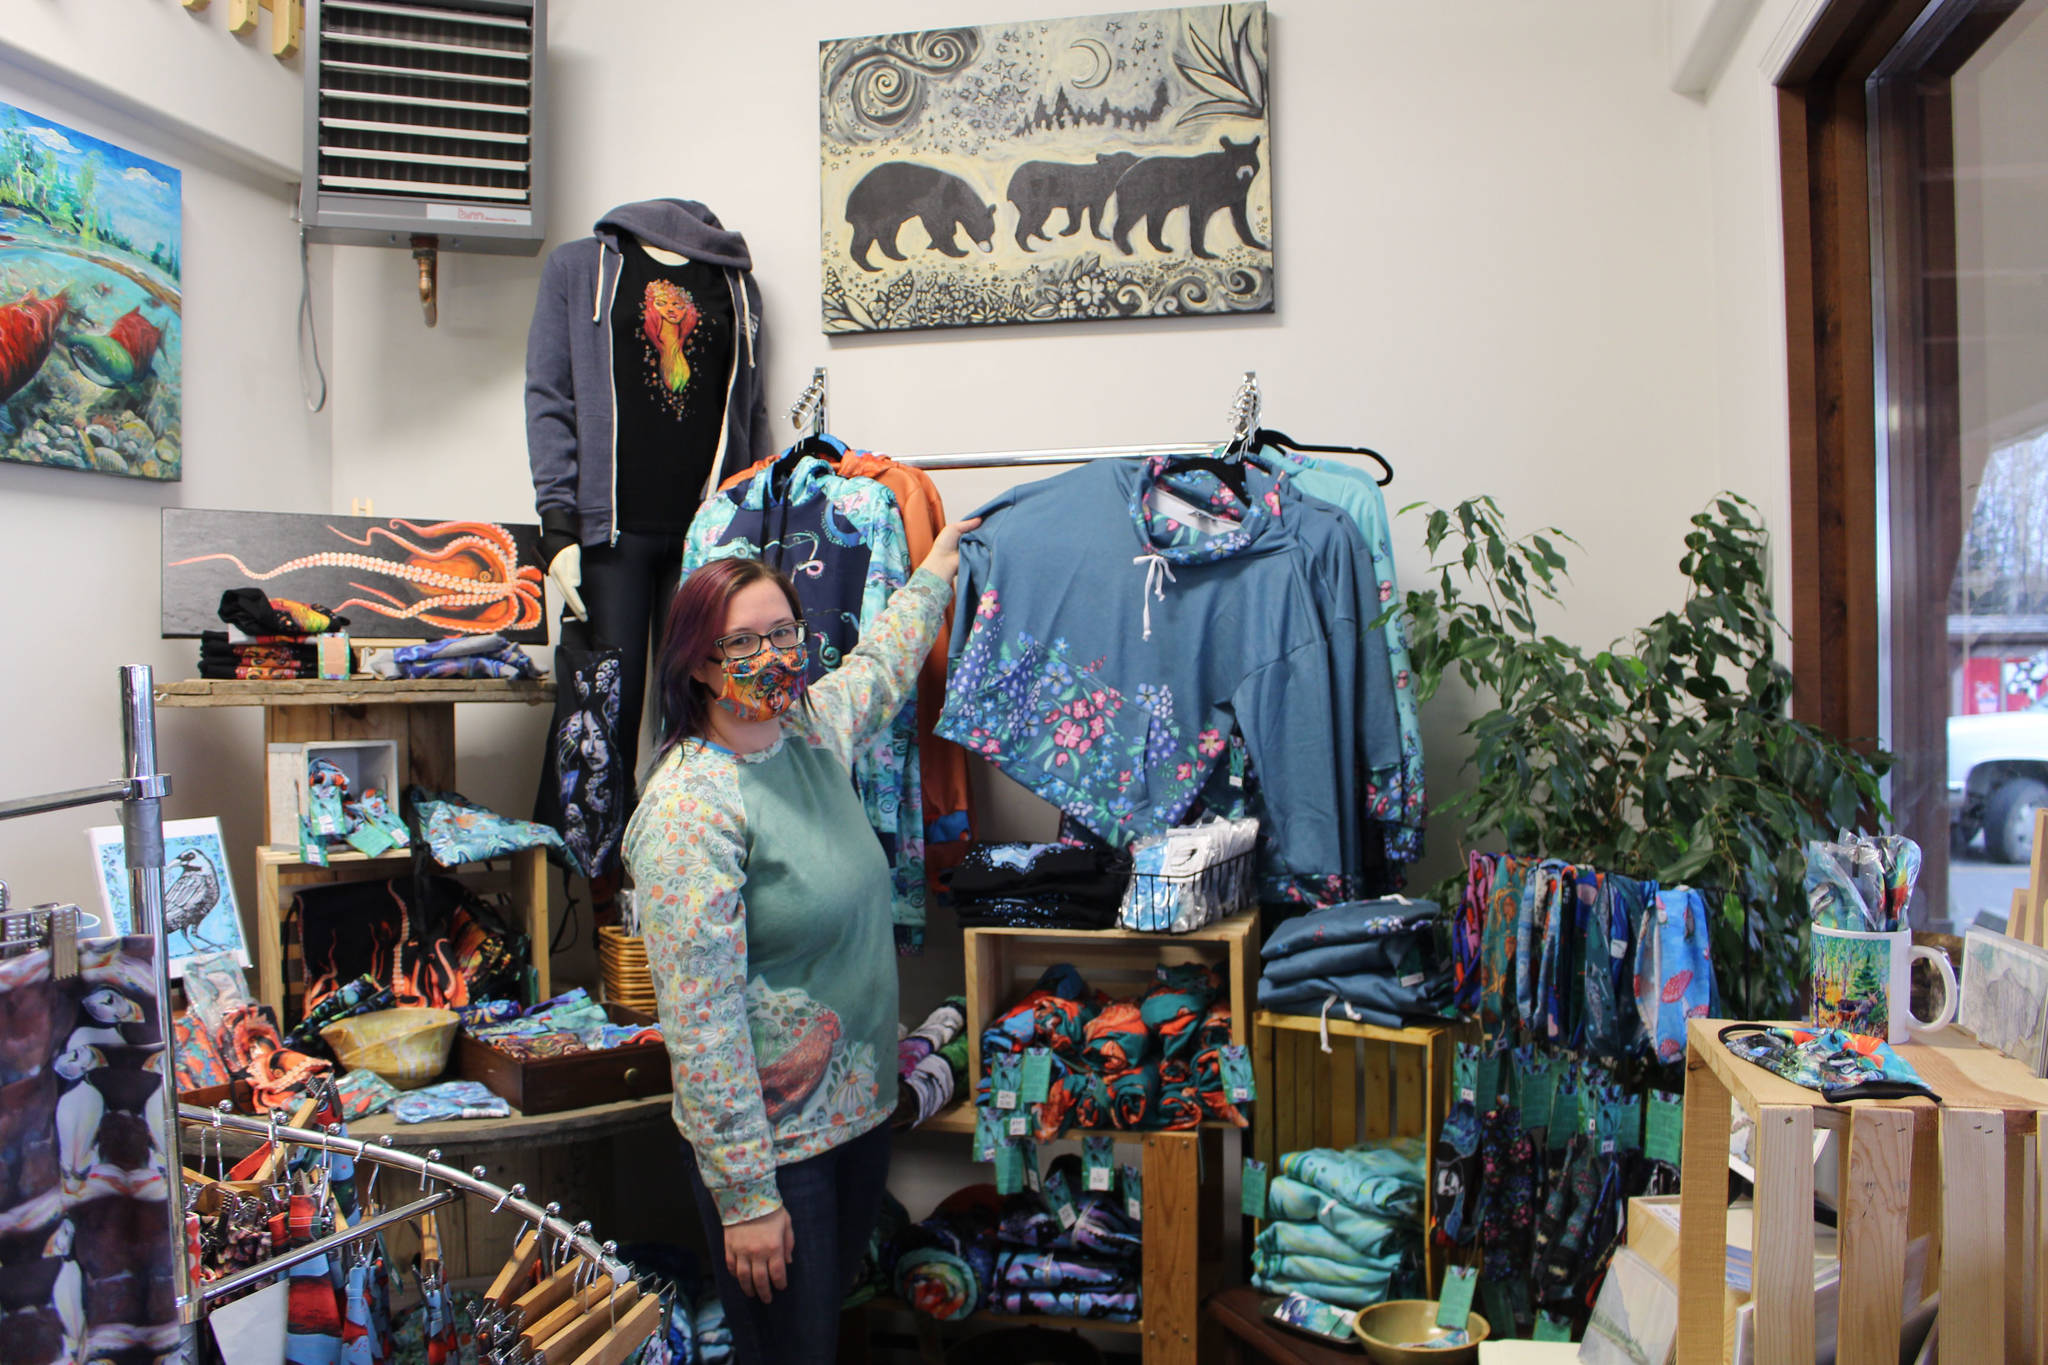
(672, 338)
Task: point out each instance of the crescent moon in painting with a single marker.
(1100, 60)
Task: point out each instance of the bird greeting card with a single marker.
(200, 915)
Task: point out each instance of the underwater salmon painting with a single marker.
(91, 308)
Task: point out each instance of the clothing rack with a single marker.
(140, 795)
(575, 1237)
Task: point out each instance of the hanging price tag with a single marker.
(1060, 1195)
(1098, 1161)
(1465, 1074)
(1454, 1308)
(1487, 1084)
(1252, 1198)
(1009, 1169)
(1552, 1328)
(1019, 1125)
(1628, 1123)
(1003, 1079)
(1237, 1075)
(1539, 1088)
(312, 848)
(1134, 1195)
(988, 1133)
(1664, 1128)
(1037, 1078)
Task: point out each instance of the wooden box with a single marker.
(369, 763)
(549, 1084)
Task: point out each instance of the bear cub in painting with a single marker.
(895, 192)
(1158, 185)
(1039, 187)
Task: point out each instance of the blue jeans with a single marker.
(833, 1201)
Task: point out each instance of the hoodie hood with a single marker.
(683, 226)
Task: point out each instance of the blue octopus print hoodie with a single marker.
(1114, 623)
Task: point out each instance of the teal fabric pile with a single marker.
(1343, 1226)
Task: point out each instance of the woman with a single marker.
(765, 897)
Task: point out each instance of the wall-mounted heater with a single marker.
(423, 127)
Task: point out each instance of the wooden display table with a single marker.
(1909, 1167)
(418, 715)
(1309, 1099)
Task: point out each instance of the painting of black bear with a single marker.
(1039, 187)
(1203, 185)
(1001, 173)
(891, 195)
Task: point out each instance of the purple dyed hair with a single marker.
(696, 619)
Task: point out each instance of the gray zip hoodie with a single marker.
(570, 436)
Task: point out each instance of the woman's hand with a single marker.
(758, 1253)
(944, 559)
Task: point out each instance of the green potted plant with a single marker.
(1670, 755)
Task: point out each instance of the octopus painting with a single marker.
(393, 578)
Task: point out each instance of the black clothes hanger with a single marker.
(1266, 436)
(785, 468)
(1229, 470)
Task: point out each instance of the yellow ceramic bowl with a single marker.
(1388, 1331)
(407, 1046)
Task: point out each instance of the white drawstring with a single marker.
(1157, 574)
(1328, 1001)
(597, 290)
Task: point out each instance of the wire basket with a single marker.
(1182, 901)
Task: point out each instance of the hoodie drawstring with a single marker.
(1157, 574)
(1328, 1001)
(597, 290)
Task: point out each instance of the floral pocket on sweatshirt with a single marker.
(1115, 761)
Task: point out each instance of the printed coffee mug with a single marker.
(1862, 983)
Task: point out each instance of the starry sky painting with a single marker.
(1099, 168)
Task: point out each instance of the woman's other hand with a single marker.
(758, 1252)
(944, 559)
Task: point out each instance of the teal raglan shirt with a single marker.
(765, 901)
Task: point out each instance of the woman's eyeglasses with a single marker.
(745, 644)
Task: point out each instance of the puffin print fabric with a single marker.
(84, 1222)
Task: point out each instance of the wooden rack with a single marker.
(418, 715)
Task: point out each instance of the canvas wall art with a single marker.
(2005, 996)
(1053, 170)
(90, 310)
(394, 578)
(200, 914)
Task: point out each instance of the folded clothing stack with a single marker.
(1038, 886)
(569, 1024)
(931, 1062)
(458, 656)
(261, 656)
(1089, 1270)
(1343, 1226)
(1378, 962)
(1150, 1063)
(266, 637)
(945, 1265)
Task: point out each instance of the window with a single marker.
(1916, 208)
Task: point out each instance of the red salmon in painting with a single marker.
(1674, 989)
(120, 357)
(28, 328)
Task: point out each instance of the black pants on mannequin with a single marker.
(626, 589)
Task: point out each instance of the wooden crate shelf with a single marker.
(1183, 1218)
(417, 714)
(1382, 1083)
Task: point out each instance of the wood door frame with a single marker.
(1866, 161)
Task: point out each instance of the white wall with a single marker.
(79, 551)
(1503, 259)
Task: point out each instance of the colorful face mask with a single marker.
(764, 685)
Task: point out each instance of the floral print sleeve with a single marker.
(686, 846)
(864, 694)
